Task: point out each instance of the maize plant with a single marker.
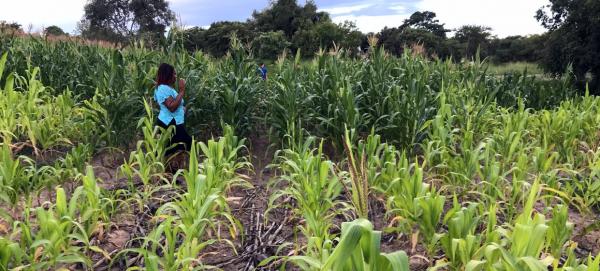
(172, 253)
(559, 230)
(403, 196)
(194, 220)
(310, 181)
(461, 243)
(15, 175)
(381, 137)
(89, 204)
(358, 179)
(225, 155)
(10, 253)
(148, 160)
(236, 89)
(63, 232)
(289, 108)
(526, 240)
(382, 161)
(431, 207)
(358, 249)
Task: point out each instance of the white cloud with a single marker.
(369, 23)
(338, 10)
(43, 13)
(372, 23)
(398, 8)
(505, 17)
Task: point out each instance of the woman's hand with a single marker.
(181, 86)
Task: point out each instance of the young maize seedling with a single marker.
(404, 193)
(310, 181)
(11, 254)
(526, 240)
(431, 207)
(460, 243)
(15, 176)
(559, 230)
(358, 249)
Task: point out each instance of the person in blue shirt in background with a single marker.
(172, 110)
(263, 71)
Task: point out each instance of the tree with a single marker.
(349, 37)
(426, 21)
(573, 38)
(473, 38)
(391, 40)
(216, 39)
(306, 27)
(269, 45)
(287, 16)
(218, 36)
(194, 38)
(396, 40)
(279, 16)
(106, 20)
(10, 27)
(307, 41)
(54, 30)
(517, 48)
(421, 28)
(120, 20)
(152, 17)
(326, 35)
(433, 44)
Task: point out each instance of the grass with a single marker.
(516, 67)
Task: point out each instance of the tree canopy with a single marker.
(573, 38)
(121, 20)
(426, 20)
(53, 30)
(474, 38)
(10, 27)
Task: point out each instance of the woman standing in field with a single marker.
(172, 111)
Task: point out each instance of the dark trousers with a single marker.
(180, 137)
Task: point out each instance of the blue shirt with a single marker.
(161, 94)
(263, 72)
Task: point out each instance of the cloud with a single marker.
(398, 8)
(64, 13)
(372, 23)
(505, 17)
(371, 17)
(205, 12)
(338, 10)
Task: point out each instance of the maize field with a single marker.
(333, 163)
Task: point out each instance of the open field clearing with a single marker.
(336, 163)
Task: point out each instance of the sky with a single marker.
(505, 17)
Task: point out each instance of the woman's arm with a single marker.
(173, 103)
